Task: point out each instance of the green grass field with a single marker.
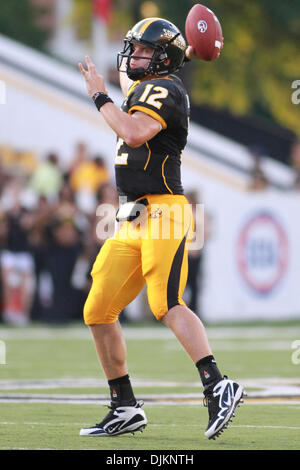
(52, 385)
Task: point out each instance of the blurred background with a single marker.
(242, 160)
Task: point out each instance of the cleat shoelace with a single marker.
(107, 417)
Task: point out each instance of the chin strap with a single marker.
(136, 74)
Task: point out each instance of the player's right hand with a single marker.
(190, 54)
(93, 80)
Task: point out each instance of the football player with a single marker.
(151, 129)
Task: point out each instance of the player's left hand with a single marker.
(93, 80)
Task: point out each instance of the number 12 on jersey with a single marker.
(161, 93)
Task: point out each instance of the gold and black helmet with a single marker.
(166, 40)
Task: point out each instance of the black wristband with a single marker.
(100, 99)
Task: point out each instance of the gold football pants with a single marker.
(151, 249)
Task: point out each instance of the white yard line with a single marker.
(221, 345)
(149, 399)
(273, 387)
(70, 382)
(36, 423)
(145, 333)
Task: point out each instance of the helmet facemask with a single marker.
(154, 66)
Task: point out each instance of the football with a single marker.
(203, 32)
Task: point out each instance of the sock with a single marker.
(209, 372)
(121, 392)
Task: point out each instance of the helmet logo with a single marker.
(202, 26)
(133, 35)
(178, 41)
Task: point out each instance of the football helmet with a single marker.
(166, 40)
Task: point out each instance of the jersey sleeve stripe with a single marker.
(150, 112)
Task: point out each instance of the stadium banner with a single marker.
(251, 261)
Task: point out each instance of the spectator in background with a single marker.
(90, 174)
(3, 243)
(195, 259)
(296, 184)
(42, 245)
(63, 251)
(47, 179)
(68, 209)
(2, 174)
(295, 155)
(95, 235)
(258, 179)
(295, 163)
(3, 230)
(85, 180)
(17, 264)
(57, 252)
(107, 194)
(81, 154)
(66, 206)
(38, 242)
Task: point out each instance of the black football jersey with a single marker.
(154, 167)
